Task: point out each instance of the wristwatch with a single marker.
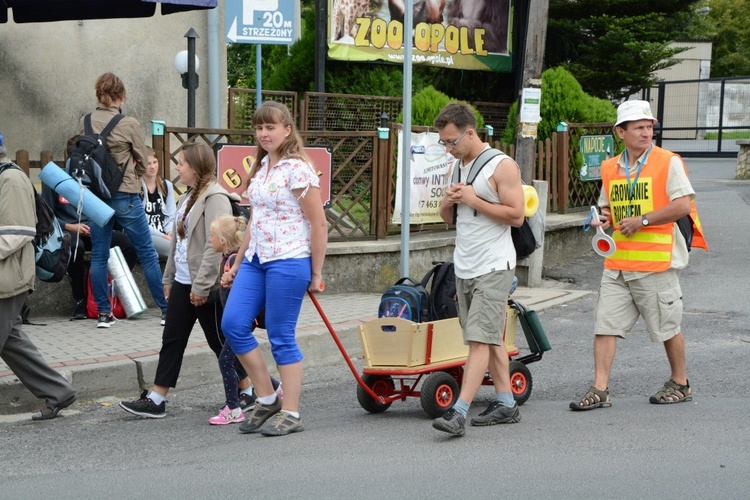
(644, 220)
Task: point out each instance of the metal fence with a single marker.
(702, 117)
(324, 111)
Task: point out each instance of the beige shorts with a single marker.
(657, 298)
(481, 306)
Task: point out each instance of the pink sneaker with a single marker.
(280, 391)
(227, 416)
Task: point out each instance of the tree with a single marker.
(614, 46)
(728, 27)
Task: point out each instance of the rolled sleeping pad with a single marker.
(125, 287)
(531, 201)
(63, 184)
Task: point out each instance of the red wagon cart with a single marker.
(399, 354)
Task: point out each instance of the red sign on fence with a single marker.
(233, 162)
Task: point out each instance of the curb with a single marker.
(199, 367)
(120, 377)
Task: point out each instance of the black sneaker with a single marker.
(247, 401)
(144, 407)
(79, 310)
(451, 422)
(105, 320)
(163, 319)
(497, 413)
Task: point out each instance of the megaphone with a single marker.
(602, 243)
(531, 201)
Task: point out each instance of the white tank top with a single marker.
(482, 244)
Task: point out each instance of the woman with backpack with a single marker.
(127, 148)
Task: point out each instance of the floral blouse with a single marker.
(279, 229)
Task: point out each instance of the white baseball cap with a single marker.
(630, 111)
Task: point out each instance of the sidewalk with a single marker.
(106, 362)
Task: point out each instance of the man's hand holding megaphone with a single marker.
(602, 243)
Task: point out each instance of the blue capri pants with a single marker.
(280, 287)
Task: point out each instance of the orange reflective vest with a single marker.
(649, 249)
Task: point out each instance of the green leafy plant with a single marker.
(427, 104)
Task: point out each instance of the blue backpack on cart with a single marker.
(407, 299)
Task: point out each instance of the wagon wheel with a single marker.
(520, 382)
(439, 392)
(382, 385)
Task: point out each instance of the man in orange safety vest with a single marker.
(645, 191)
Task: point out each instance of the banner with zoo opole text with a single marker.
(233, 162)
(430, 173)
(459, 34)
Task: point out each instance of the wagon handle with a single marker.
(348, 360)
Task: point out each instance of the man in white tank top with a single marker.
(484, 261)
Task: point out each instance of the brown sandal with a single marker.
(594, 398)
(672, 393)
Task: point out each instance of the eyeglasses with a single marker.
(452, 144)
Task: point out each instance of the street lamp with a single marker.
(186, 63)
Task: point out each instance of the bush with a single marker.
(563, 100)
(427, 104)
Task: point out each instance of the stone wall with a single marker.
(743, 160)
(365, 267)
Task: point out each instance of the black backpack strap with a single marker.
(87, 130)
(5, 166)
(429, 274)
(112, 123)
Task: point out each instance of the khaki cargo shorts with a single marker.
(657, 298)
(481, 306)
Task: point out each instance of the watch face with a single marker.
(644, 220)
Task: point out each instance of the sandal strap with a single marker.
(671, 390)
(590, 398)
(603, 395)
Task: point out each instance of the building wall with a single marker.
(49, 70)
(683, 100)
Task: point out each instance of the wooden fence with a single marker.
(363, 173)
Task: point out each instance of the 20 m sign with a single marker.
(261, 21)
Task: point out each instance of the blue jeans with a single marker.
(130, 215)
(280, 286)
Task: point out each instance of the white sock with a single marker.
(295, 414)
(248, 391)
(156, 397)
(268, 400)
